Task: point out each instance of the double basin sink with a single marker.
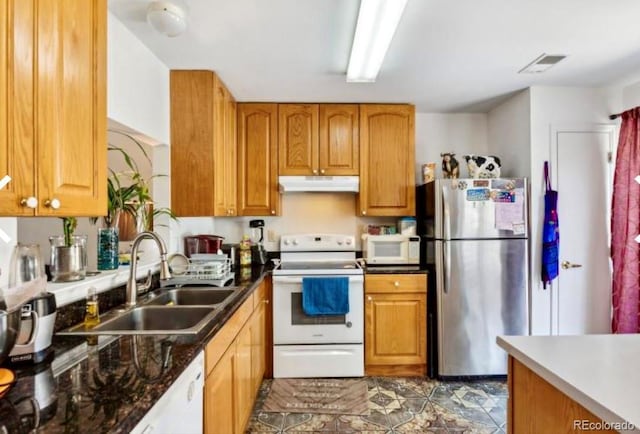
(179, 311)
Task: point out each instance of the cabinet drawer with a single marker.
(221, 341)
(395, 283)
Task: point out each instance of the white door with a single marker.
(581, 300)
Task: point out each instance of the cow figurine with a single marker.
(483, 166)
(450, 165)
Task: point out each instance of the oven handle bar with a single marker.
(298, 279)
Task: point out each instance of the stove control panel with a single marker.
(317, 243)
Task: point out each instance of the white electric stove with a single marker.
(319, 345)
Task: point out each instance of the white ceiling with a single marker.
(447, 55)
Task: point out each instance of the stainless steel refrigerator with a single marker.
(475, 237)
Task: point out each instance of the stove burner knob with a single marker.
(339, 242)
(286, 241)
(295, 242)
(347, 241)
(348, 324)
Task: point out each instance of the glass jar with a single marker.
(68, 263)
(108, 248)
(245, 251)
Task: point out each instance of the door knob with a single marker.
(322, 171)
(566, 265)
(29, 202)
(52, 203)
(273, 212)
(315, 171)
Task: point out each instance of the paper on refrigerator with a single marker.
(510, 215)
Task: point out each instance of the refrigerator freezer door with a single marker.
(467, 212)
(483, 293)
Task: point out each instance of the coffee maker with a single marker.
(33, 344)
(258, 252)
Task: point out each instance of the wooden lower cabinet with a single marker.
(233, 378)
(535, 406)
(395, 324)
(242, 378)
(219, 396)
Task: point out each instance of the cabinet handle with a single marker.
(396, 283)
(369, 298)
(315, 171)
(322, 171)
(273, 212)
(52, 203)
(265, 301)
(364, 212)
(29, 202)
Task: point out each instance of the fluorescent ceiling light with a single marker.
(377, 23)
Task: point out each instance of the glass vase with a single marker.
(108, 248)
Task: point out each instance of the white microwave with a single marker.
(390, 249)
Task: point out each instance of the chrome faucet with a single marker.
(132, 285)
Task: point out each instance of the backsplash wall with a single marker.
(301, 212)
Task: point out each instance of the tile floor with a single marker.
(401, 405)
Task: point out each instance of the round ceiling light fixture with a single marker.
(167, 18)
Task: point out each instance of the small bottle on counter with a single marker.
(91, 314)
(245, 251)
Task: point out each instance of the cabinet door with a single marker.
(395, 329)
(258, 345)
(219, 396)
(258, 159)
(192, 142)
(339, 139)
(224, 155)
(16, 105)
(387, 159)
(242, 383)
(298, 139)
(71, 110)
(231, 157)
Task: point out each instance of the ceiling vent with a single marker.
(542, 63)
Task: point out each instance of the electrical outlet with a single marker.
(271, 236)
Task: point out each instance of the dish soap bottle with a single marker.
(91, 314)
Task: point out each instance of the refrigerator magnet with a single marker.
(481, 183)
(478, 194)
(502, 196)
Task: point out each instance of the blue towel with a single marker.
(325, 295)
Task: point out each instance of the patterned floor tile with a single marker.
(401, 406)
(411, 387)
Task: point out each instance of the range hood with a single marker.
(319, 183)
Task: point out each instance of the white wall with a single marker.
(553, 106)
(138, 84)
(461, 133)
(509, 130)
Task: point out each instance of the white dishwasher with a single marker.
(180, 409)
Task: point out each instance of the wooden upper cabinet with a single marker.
(339, 148)
(387, 160)
(53, 70)
(258, 193)
(298, 139)
(203, 145)
(318, 139)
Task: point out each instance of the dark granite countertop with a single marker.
(104, 388)
(395, 269)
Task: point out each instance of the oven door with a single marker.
(292, 326)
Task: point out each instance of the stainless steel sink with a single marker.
(191, 297)
(151, 320)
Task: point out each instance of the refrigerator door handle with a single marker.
(446, 264)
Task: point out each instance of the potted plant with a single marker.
(129, 207)
(68, 253)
